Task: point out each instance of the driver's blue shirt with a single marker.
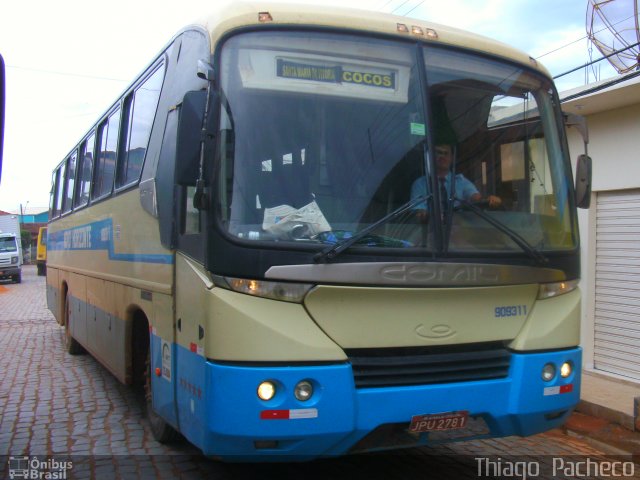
(465, 189)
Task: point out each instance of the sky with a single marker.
(68, 60)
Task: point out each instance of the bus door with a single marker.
(192, 287)
(191, 281)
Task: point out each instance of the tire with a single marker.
(41, 272)
(161, 430)
(17, 278)
(71, 344)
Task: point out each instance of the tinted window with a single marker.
(305, 137)
(141, 108)
(106, 161)
(52, 195)
(85, 167)
(71, 171)
(59, 189)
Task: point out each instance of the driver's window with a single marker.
(192, 218)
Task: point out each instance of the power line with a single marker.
(595, 61)
(580, 39)
(600, 87)
(387, 3)
(407, 13)
(400, 6)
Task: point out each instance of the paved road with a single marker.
(66, 408)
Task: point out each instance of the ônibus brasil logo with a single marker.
(34, 468)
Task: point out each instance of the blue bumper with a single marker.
(228, 420)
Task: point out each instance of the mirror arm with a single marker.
(200, 198)
(580, 123)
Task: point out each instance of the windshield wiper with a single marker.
(334, 250)
(539, 258)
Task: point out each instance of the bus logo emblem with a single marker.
(437, 331)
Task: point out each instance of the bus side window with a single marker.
(85, 168)
(191, 214)
(70, 180)
(141, 109)
(59, 189)
(52, 195)
(106, 160)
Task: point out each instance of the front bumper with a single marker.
(9, 271)
(339, 418)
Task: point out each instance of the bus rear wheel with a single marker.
(161, 430)
(71, 344)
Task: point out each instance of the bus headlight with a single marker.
(548, 372)
(548, 290)
(566, 369)
(266, 390)
(303, 390)
(284, 291)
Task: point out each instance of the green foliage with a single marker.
(25, 238)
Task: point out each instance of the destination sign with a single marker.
(337, 74)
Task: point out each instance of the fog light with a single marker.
(303, 390)
(548, 372)
(266, 390)
(566, 369)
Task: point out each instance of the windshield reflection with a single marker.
(329, 138)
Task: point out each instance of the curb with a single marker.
(604, 435)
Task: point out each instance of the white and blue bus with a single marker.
(262, 235)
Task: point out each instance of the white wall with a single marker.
(614, 146)
(586, 220)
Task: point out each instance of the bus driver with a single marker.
(464, 188)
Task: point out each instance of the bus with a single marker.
(41, 252)
(242, 235)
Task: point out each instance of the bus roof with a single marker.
(239, 14)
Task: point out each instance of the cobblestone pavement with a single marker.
(59, 408)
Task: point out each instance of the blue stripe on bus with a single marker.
(98, 236)
(220, 413)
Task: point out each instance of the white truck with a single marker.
(10, 248)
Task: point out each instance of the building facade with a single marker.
(610, 229)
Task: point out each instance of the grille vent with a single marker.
(393, 367)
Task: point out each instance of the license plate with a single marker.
(438, 422)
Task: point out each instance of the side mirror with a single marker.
(190, 136)
(583, 181)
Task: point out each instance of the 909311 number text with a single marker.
(511, 311)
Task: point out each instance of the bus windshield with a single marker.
(323, 135)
